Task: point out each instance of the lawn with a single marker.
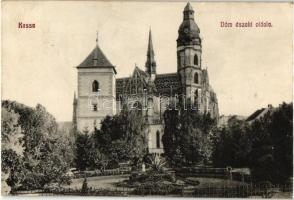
(215, 182)
(98, 182)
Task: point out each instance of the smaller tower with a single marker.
(96, 90)
(150, 64)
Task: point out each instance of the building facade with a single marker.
(100, 93)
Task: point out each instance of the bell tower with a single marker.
(189, 52)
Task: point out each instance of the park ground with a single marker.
(109, 182)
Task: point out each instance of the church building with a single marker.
(100, 93)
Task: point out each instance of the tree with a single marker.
(45, 153)
(83, 147)
(272, 142)
(186, 136)
(231, 144)
(123, 137)
(265, 145)
(12, 148)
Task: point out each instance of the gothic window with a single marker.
(95, 86)
(196, 78)
(195, 59)
(94, 107)
(157, 139)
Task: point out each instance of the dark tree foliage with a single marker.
(83, 147)
(231, 144)
(265, 145)
(45, 155)
(120, 139)
(186, 138)
(271, 157)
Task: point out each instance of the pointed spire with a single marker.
(150, 51)
(188, 7)
(188, 12)
(150, 62)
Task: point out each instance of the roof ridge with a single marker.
(96, 59)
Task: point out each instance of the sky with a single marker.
(248, 68)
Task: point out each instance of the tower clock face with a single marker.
(186, 30)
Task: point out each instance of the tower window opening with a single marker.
(95, 107)
(196, 60)
(196, 78)
(158, 139)
(95, 86)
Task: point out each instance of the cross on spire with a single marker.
(97, 38)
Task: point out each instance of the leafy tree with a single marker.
(122, 137)
(272, 142)
(12, 148)
(186, 136)
(45, 155)
(83, 147)
(231, 144)
(265, 145)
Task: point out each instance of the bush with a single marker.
(151, 176)
(85, 187)
(151, 188)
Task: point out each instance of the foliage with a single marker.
(85, 187)
(122, 137)
(272, 145)
(186, 138)
(11, 134)
(265, 145)
(45, 154)
(157, 188)
(231, 144)
(156, 163)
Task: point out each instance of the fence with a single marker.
(219, 192)
(108, 172)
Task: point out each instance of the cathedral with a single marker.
(100, 93)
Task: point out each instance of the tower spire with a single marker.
(150, 62)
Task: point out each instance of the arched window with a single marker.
(196, 78)
(95, 86)
(196, 60)
(157, 139)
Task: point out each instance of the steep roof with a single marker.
(168, 83)
(96, 59)
(260, 113)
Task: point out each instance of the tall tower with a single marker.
(96, 90)
(150, 64)
(189, 51)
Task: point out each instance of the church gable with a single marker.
(134, 84)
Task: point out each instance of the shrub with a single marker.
(151, 188)
(85, 187)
